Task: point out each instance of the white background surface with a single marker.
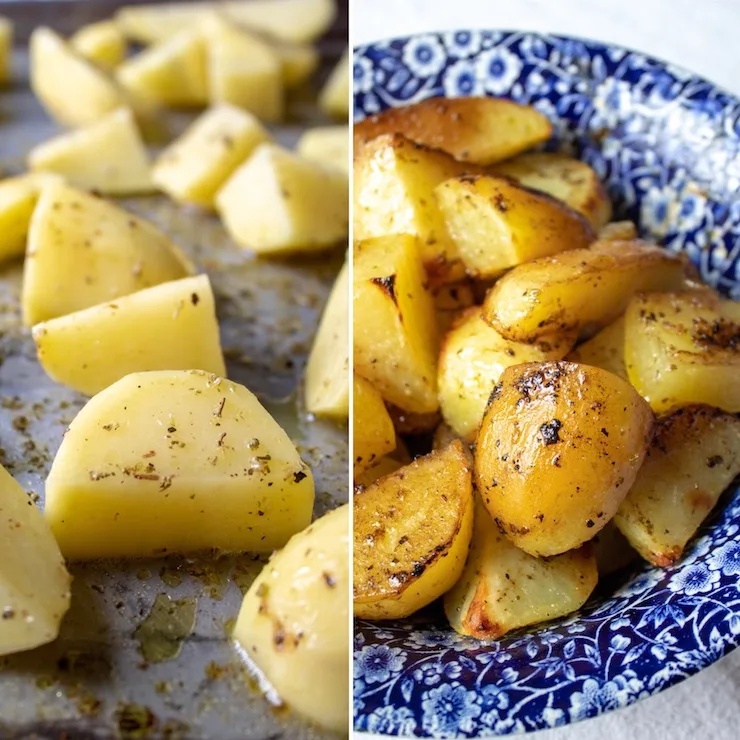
(701, 35)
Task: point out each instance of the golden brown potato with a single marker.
(411, 535)
(564, 178)
(503, 588)
(496, 224)
(379, 469)
(618, 231)
(578, 289)
(395, 333)
(605, 350)
(374, 435)
(472, 358)
(474, 129)
(558, 449)
(451, 300)
(694, 456)
(684, 348)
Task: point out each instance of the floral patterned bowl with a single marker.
(667, 144)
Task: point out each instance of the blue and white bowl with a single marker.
(667, 145)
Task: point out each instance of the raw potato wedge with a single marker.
(334, 96)
(395, 335)
(412, 532)
(474, 129)
(34, 584)
(72, 90)
(569, 180)
(472, 358)
(328, 145)
(327, 371)
(578, 289)
(294, 621)
(171, 326)
(496, 224)
(194, 167)
(374, 435)
(6, 50)
(101, 43)
(83, 250)
(695, 455)
(108, 156)
(175, 461)
(605, 350)
(558, 450)
(683, 348)
(503, 588)
(172, 73)
(278, 202)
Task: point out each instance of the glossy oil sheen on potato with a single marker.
(412, 531)
(558, 449)
(374, 435)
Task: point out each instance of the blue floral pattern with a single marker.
(667, 145)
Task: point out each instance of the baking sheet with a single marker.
(94, 681)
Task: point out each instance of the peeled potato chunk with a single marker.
(475, 129)
(327, 371)
(297, 61)
(496, 224)
(294, 621)
(34, 584)
(683, 348)
(108, 156)
(694, 456)
(471, 361)
(83, 250)
(175, 461)
(171, 326)
(374, 435)
(278, 202)
(579, 288)
(604, 350)
(558, 450)
(395, 335)
(6, 49)
(328, 145)
(412, 531)
(503, 588)
(334, 97)
(101, 43)
(196, 165)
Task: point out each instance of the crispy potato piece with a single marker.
(327, 145)
(6, 49)
(569, 180)
(394, 181)
(558, 449)
(379, 469)
(395, 334)
(472, 358)
(618, 231)
(578, 289)
(451, 300)
(684, 348)
(497, 224)
(334, 96)
(474, 129)
(374, 435)
(605, 350)
(101, 43)
(694, 456)
(503, 588)
(412, 531)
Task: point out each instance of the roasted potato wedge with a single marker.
(558, 450)
(496, 224)
(569, 180)
(101, 43)
(578, 289)
(379, 469)
(684, 348)
(480, 130)
(604, 350)
(472, 358)
(6, 49)
(694, 456)
(395, 333)
(412, 531)
(334, 96)
(374, 435)
(503, 588)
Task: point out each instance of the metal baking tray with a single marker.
(116, 671)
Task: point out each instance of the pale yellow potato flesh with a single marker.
(294, 621)
(327, 371)
(171, 462)
(101, 43)
(84, 250)
(34, 583)
(604, 350)
(503, 588)
(278, 202)
(108, 156)
(194, 167)
(334, 96)
(695, 455)
(171, 326)
(327, 145)
(6, 50)
(297, 61)
(373, 432)
(412, 532)
(619, 231)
